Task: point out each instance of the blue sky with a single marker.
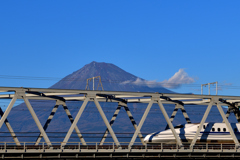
(150, 39)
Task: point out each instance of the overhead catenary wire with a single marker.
(110, 110)
(105, 81)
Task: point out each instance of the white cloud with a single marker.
(179, 78)
(147, 83)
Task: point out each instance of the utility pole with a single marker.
(208, 84)
(93, 79)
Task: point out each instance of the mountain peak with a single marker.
(112, 76)
(96, 63)
(105, 65)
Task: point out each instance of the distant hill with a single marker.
(113, 79)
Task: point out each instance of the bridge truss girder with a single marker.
(61, 96)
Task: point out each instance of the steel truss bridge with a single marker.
(115, 149)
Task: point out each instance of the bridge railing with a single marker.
(111, 146)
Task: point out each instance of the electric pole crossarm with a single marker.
(93, 79)
(208, 84)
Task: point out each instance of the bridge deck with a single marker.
(9, 150)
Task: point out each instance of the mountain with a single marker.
(113, 79)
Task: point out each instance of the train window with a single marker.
(204, 126)
(219, 129)
(235, 129)
(213, 129)
(224, 129)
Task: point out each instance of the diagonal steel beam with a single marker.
(236, 112)
(202, 122)
(29, 106)
(233, 107)
(173, 115)
(134, 123)
(111, 123)
(10, 129)
(184, 113)
(179, 142)
(106, 122)
(75, 121)
(141, 123)
(59, 102)
(179, 106)
(230, 108)
(72, 120)
(4, 116)
(47, 122)
(122, 104)
(228, 125)
(174, 112)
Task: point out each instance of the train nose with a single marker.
(146, 139)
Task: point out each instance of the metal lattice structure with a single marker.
(122, 99)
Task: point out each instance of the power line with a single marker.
(102, 80)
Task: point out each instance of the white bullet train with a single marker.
(210, 133)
